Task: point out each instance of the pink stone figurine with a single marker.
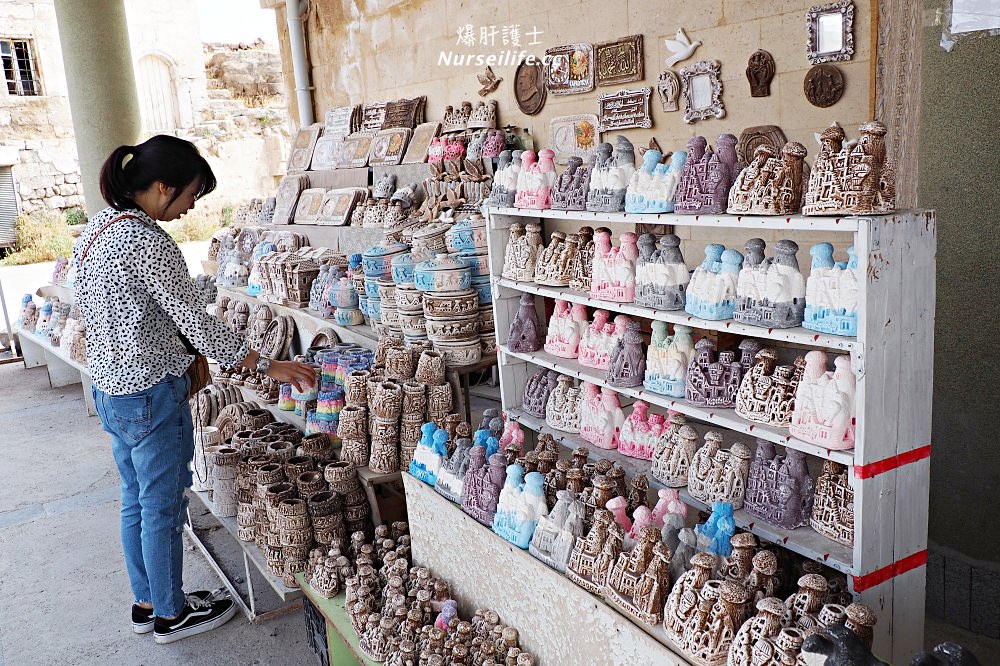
(535, 181)
(566, 328)
(669, 502)
(613, 272)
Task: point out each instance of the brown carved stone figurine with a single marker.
(640, 580)
(760, 72)
(771, 185)
(852, 179)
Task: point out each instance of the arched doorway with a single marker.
(157, 94)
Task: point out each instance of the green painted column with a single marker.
(101, 83)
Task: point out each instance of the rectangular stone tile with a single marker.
(957, 587)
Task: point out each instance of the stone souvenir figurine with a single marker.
(512, 436)
(832, 292)
(770, 185)
(482, 486)
(653, 186)
(552, 267)
(661, 276)
(595, 554)
(667, 360)
(525, 330)
(779, 488)
(600, 338)
(505, 178)
(431, 452)
(537, 390)
(639, 581)
(713, 380)
(715, 534)
(535, 181)
(572, 186)
(717, 474)
(29, 316)
(613, 273)
(702, 615)
(521, 254)
(628, 360)
(770, 292)
(562, 412)
(767, 392)
(583, 262)
(833, 504)
(852, 178)
(609, 179)
(711, 293)
(566, 328)
(641, 432)
(601, 416)
(824, 403)
(521, 506)
(557, 532)
(707, 176)
(451, 474)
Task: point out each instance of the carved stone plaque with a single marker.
(404, 113)
(341, 120)
(338, 204)
(618, 61)
(388, 146)
(823, 85)
(529, 87)
(760, 72)
(570, 69)
(308, 206)
(373, 116)
(624, 109)
(424, 133)
(327, 152)
(669, 89)
(355, 150)
(302, 149)
(759, 135)
(574, 135)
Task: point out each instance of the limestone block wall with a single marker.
(37, 132)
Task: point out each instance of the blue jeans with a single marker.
(152, 439)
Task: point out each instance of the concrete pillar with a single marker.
(101, 84)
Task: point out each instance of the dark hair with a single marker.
(172, 161)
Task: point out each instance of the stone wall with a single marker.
(36, 133)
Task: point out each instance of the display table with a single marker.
(62, 370)
(341, 641)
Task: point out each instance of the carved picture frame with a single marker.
(618, 61)
(569, 69)
(566, 132)
(694, 78)
(814, 17)
(625, 109)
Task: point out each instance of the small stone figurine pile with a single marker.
(402, 614)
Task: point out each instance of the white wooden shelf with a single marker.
(61, 368)
(796, 335)
(749, 222)
(723, 418)
(804, 540)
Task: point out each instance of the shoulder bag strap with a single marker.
(101, 230)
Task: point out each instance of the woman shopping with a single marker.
(147, 338)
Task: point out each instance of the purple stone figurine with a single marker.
(707, 176)
(482, 486)
(779, 488)
(628, 360)
(537, 390)
(525, 331)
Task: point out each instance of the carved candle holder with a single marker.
(852, 178)
(767, 392)
(707, 176)
(600, 339)
(832, 292)
(628, 359)
(717, 474)
(653, 186)
(613, 272)
(566, 328)
(525, 330)
(833, 504)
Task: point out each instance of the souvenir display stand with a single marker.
(891, 357)
(340, 643)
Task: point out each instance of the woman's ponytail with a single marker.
(115, 186)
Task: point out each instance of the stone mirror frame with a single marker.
(831, 32)
(701, 89)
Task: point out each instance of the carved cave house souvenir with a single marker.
(852, 178)
(707, 176)
(770, 292)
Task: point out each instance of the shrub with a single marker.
(41, 236)
(76, 216)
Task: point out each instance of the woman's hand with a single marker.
(300, 375)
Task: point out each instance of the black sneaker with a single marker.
(142, 618)
(198, 616)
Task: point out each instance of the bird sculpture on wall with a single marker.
(489, 81)
(681, 47)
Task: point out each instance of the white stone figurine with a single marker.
(601, 416)
(661, 276)
(832, 292)
(600, 339)
(566, 328)
(556, 534)
(667, 360)
(521, 506)
(824, 403)
(770, 292)
(652, 187)
(712, 291)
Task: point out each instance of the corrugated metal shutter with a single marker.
(8, 207)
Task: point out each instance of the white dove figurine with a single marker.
(682, 48)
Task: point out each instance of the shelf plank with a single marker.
(516, 586)
(57, 352)
(723, 418)
(796, 335)
(748, 222)
(253, 552)
(335, 613)
(804, 540)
